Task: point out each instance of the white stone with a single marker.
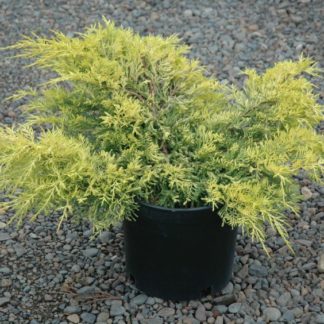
(320, 265)
(305, 191)
(188, 13)
(74, 318)
(201, 313)
(271, 314)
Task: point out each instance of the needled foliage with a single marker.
(134, 119)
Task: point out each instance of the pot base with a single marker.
(167, 293)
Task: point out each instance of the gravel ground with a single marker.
(64, 277)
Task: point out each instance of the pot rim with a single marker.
(172, 210)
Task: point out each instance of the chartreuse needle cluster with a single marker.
(134, 119)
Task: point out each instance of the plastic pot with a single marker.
(179, 254)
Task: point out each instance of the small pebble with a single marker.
(117, 309)
(76, 268)
(139, 299)
(166, 311)
(306, 193)
(74, 318)
(234, 308)
(320, 265)
(200, 313)
(88, 318)
(91, 252)
(2, 225)
(103, 317)
(72, 310)
(4, 301)
(271, 314)
(4, 236)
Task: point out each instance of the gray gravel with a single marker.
(65, 277)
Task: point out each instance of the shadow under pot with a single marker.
(179, 253)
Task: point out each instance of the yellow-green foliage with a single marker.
(134, 119)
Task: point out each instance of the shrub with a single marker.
(134, 119)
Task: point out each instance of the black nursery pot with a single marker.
(179, 254)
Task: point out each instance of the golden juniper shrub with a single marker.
(134, 119)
